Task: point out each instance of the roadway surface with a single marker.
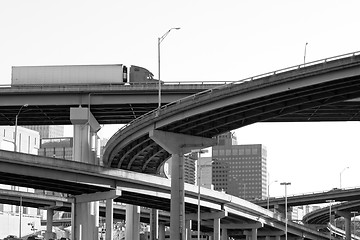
(295, 94)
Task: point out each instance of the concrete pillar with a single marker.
(74, 227)
(347, 217)
(154, 224)
(109, 218)
(86, 214)
(254, 234)
(177, 145)
(87, 220)
(177, 206)
(85, 127)
(132, 221)
(49, 223)
(277, 237)
(161, 231)
(224, 234)
(188, 229)
(348, 227)
(267, 237)
(216, 229)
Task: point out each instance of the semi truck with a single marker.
(79, 74)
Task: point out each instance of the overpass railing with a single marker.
(169, 83)
(209, 91)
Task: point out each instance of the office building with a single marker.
(239, 170)
(205, 172)
(189, 168)
(57, 147)
(27, 142)
(48, 131)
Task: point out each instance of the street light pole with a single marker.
(341, 174)
(160, 39)
(305, 52)
(268, 191)
(199, 151)
(286, 213)
(16, 125)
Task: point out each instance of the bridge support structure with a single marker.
(132, 221)
(85, 215)
(85, 137)
(347, 218)
(178, 145)
(84, 150)
(154, 224)
(49, 220)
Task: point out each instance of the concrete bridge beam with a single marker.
(177, 145)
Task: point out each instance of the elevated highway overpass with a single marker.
(338, 195)
(294, 94)
(193, 122)
(326, 90)
(80, 179)
(109, 103)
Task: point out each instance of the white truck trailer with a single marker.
(78, 74)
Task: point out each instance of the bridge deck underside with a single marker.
(321, 102)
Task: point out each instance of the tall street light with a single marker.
(330, 203)
(16, 124)
(160, 39)
(305, 52)
(286, 213)
(268, 192)
(341, 174)
(199, 152)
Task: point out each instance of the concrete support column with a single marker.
(188, 229)
(109, 218)
(277, 237)
(216, 229)
(85, 126)
(87, 214)
(267, 237)
(347, 217)
(132, 231)
(81, 144)
(177, 145)
(177, 206)
(74, 227)
(254, 234)
(87, 220)
(154, 224)
(161, 231)
(224, 234)
(49, 223)
(348, 227)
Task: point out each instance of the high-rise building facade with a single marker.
(48, 131)
(240, 170)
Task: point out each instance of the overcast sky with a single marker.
(218, 41)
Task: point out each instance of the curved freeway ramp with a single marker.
(293, 94)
